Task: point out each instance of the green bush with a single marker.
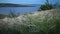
(46, 7)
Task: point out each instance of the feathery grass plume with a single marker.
(44, 22)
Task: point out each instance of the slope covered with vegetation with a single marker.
(15, 5)
(43, 22)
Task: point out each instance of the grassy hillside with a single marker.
(43, 22)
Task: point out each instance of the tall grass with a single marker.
(44, 22)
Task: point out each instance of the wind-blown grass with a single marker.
(44, 22)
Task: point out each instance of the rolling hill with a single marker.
(15, 5)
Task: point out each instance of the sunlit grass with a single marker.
(44, 22)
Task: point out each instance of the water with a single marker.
(6, 10)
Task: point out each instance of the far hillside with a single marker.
(15, 5)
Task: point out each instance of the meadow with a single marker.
(40, 22)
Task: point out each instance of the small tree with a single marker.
(47, 6)
(47, 2)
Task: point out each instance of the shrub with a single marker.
(46, 6)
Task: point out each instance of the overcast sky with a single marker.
(28, 1)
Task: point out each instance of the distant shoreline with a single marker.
(17, 5)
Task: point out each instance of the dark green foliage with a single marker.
(46, 6)
(9, 31)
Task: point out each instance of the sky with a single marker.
(28, 1)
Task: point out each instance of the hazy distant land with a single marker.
(15, 5)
